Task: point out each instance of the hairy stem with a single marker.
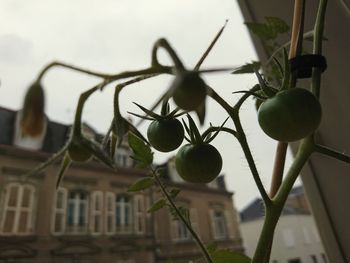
(240, 135)
(273, 212)
(197, 239)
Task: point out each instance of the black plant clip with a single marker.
(302, 66)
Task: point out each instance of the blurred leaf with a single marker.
(142, 152)
(247, 68)
(228, 256)
(141, 184)
(212, 247)
(157, 205)
(262, 31)
(200, 111)
(174, 192)
(277, 24)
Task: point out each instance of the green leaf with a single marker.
(262, 31)
(141, 184)
(247, 68)
(277, 24)
(142, 152)
(157, 205)
(212, 247)
(174, 192)
(228, 256)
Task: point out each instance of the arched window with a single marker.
(17, 210)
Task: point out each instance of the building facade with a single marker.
(91, 217)
(296, 237)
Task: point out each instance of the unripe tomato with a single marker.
(165, 135)
(290, 115)
(78, 154)
(189, 90)
(198, 163)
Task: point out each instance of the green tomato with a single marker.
(198, 163)
(189, 90)
(78, 153)
(165, 135)
(290, 115)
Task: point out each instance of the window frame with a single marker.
(18, 209)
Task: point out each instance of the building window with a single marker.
(96, 212)
(122, 158)
(59, 224)
(139, 214)
(123, 212)
(17, 210)
(218, 223)
(71, 212)
(110, 213)
(288, 237)
(179, 230)
(294, 260)
(313, 259)
(77, 212)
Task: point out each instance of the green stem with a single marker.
(224, 129)
(332, 153)
(240, 135)
(68, 66)
(317, 48)
(274, 211)
(82, 99)
(197, 239)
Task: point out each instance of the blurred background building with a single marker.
(296, 236)
(91, 217)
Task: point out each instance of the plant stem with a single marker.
(240, 135)
(332, 153)
(317, 47)
(197, 239)
(273, 213)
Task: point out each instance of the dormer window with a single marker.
(27, 141)
(122, 157)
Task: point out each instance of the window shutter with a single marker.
(96, 213)
(10, 208)
(59, 212)
(139, 216)
(110, 213)
(229, 225)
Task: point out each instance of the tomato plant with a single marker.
(290, 115)
(285, 114)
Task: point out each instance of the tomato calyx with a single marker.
(198, 161)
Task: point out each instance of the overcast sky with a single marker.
(117, 35)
